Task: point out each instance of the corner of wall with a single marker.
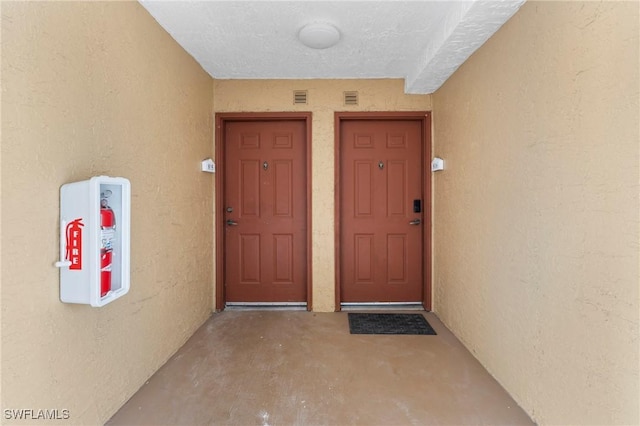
(536, 242)
(90, 89)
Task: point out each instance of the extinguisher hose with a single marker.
(68, 235)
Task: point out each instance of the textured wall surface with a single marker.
(91, 88)
(324, 98)
(536, 229)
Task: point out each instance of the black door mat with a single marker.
(389, 324)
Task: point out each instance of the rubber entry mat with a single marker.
(389, 324)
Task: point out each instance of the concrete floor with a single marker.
(304, 368)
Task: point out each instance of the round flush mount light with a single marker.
(319, 35)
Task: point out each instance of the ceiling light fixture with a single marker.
(319, 35)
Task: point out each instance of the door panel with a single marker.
(283, 199)
(249, 187)
(265, 189)
(363, 189)
(381, 175)
(249, 258)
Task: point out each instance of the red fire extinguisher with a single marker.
(107, 237)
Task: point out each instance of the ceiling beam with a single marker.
(467, 26)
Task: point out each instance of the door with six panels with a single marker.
(381, 211)
(265, 211)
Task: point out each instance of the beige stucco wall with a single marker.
(536, 260)
(91, 88)
(324, 98)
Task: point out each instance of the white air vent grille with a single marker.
(299, 97)
(351, 98)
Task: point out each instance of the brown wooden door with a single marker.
(381, 236)
(265, 211)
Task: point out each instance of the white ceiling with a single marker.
(423, 42)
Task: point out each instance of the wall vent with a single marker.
(299, 97)
(351, 98)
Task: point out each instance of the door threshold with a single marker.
(266, 306)
(382, 306)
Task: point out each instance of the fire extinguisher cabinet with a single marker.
(95, 218)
